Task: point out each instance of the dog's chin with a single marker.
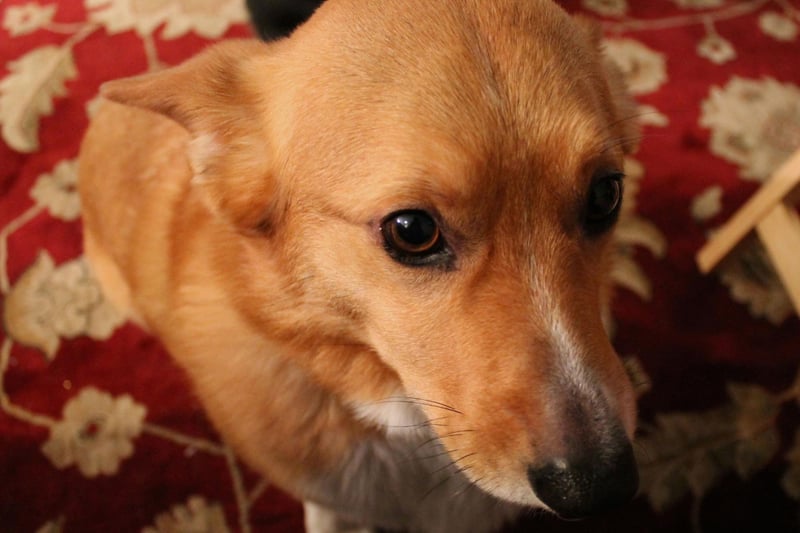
(400, 417)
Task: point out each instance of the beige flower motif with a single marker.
(49, 302)
(632, 231)
(195, 517)
(651, 116)
(778, 26)
(754, 124)
(53, 526)
(27, 18)
(207, 18)
(609, 8)
(752, 281)
(716, 49)
(93, 106)
(699, 4)
(645, 70)
(707, 204)
(642, 384)
(58, 191)
(95, 432)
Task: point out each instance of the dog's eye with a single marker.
(603, 203)
(413, 237)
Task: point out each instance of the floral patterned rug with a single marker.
(99, 430)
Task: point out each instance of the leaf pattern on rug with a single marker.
(27, 93)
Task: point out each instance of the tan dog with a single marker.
(380, 249)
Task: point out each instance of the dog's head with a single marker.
(433, 183)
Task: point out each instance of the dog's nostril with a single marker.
(582, 488)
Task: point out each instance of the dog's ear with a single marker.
(626, 128)
(216, 97)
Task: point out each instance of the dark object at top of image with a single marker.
(273, 19)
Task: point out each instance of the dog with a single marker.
(380, 249)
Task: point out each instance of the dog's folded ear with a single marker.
(216, 97)
(626, 128)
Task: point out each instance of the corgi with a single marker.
(380, 248)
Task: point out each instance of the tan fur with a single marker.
(232, 205)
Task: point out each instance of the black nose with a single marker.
(594, 483)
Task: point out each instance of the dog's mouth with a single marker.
(595, 473)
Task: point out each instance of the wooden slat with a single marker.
(779, 186)
(779, 231)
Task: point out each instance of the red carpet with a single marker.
(99, 430)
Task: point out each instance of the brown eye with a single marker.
(603, 203)
(413, 237)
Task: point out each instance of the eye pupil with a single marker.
(413, 238)
(605, 198)
(412, 232)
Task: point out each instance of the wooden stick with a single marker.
(780, 232)
(779, 186)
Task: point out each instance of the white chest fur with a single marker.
(407, 481)
(397, 415)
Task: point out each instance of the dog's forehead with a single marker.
(438, 92)
(461, 61)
